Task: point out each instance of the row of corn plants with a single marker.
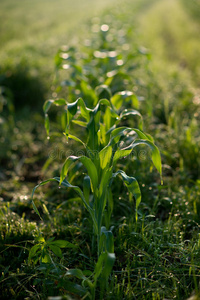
(109, 128)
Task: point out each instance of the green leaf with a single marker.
(33, 251)
(36, 210)
(46, 258)
(45, 209)
(93, 126)
(40, 239)
(56, 250)
(109, 262)
(105, 156)
(103, 91)
(34, 189)
(117, 134)
(120, 153)
(104, 266)
(74, 288)
(143, 135)
(47, 124)
(123, 97)
(101, 203)
(109, 120)
(87, 162)
(127, 150)
(155, 153)
(132, 112)
(105, 180)
(79, 274)
(80, 193)
(109, 239)
(50, 240)
(75, 139)
(88, 93)
(47, 105)
(109, 210)
(65, 168)
(72, 109)
(86, 188)
(59, 102)
(63, 244)
(132, 185)
(99, 266)
(80, 123)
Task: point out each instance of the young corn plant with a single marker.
(100, 62)
(105, 143)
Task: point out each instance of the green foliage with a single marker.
(148, 249)
(43, 249)
(103, 149)
(102, 69)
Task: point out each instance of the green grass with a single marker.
(157, 257)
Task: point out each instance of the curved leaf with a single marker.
(109, 239)
(65, 183)
(105, 156)
(56, 250)
(62, 244)
(132, 185)
(94, 124)
(79, 274)
(117, 133)
(57, 102)
(46, 123)
(132, 112)
(86, 188)
(33, 251)
(73, 107)
(124, 96)
(103, 91)
(120, 153)
(155, 153)
(74, 288)
(104, 265)
(47, 105)
(143, 135)
(87, 162)
(75, 139)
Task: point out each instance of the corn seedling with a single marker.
(106, 142)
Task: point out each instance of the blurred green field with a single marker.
(171, 31)
(30, 35)
(32, 32)
(41, 27)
